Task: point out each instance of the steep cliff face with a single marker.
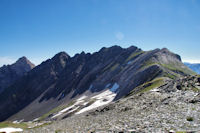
(62, 79)
(10, 73)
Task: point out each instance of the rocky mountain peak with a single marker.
(10, 73)
(115, 48)
(22, 65)
(23, 61)
(132, 48)
(112, 48)
(61, 58)
(61, 55)
(82, 53)
(167, 57)
(165, 50)
(23, 58)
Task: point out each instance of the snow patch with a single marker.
(102, 99)
(36, 119)
(15, 122)
(66, 109)
(155, 90)
(106, 93)
(56, 115)
(85, 103)
(10, 130)
(114, 87)
(81, 98)
(73, 110)
(63, 111)
(78, 101)
(18, 121)
(129, 62)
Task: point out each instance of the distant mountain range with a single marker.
(194, 66)
(10, 73)
(101, 77)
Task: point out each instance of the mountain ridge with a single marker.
(62, 78)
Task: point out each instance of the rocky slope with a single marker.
(170, 107)
(10, 73)
(195, 67)
(52, 87)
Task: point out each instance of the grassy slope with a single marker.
(177, 68)
(174, 68)
(148, 86)
(10, 124)
(151, 85)
(134, 54)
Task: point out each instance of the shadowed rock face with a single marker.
(64, 77)
(31, 85)
(10, 73)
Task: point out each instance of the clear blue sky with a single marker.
(38, 29)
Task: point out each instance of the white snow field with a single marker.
(78, 101)
(10, 130)
(101, 99)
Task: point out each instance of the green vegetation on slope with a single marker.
(152, 84)
(148, 86)
(108, 66)
(134, 54)
(15, 125)
(181, 132)
(148, 64)
(114, 67)
(178, 68)
(43, 125)
(170, 75)
(175, 68)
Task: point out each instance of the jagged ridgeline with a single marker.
(58, 81)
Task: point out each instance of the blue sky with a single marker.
(38, 29)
